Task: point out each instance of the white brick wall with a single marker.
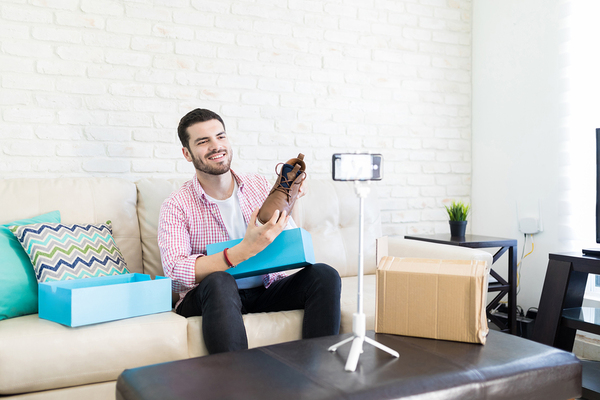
(96, 88)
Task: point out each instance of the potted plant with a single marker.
(457, 212)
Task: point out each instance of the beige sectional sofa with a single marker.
(40, 359)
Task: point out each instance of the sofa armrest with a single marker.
(397, 246)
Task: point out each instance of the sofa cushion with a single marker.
(91, 200)
(95, 391)
(59, 252)
(262, 329)
(37, 354)
(151, 194)
(349, 302)
(329, 211)
(18, 286)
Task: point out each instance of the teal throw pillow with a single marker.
(60, 252)
(18, 286)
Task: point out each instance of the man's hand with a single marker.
(255, 240)
(258, 237)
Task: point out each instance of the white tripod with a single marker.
(358, 318)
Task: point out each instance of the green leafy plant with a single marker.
(458, 211)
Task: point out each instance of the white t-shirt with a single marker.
(231, 212)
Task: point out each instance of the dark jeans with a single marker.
(315, 288)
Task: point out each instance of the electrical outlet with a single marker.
(528, 224)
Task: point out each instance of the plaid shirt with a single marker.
(189, 222)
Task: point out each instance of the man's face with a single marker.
(209, 149)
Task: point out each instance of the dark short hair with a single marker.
(191, 118)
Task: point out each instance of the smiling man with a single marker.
(219, 205)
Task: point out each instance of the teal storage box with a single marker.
(292, 249)
(78, 302)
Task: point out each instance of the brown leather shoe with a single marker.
(285, 191)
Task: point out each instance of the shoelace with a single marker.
(285, 183)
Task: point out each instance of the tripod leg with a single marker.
(343, 342)
(355, 350)
(382, 347)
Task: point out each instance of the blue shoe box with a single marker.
(86, 301)
(292, 249)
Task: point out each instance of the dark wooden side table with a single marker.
(502, 286)
(560, 314)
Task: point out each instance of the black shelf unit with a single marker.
(560, 313)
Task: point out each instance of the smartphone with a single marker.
(357, 167)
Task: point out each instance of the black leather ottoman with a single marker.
(507, 367)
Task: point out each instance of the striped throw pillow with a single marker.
(60, 252)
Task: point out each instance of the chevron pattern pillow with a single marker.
(60, 252)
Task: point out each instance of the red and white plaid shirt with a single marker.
(189, 222)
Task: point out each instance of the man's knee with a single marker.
(328, 272)
(219, 279)
(326, 275)
(218, 284)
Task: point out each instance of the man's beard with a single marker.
(219, 169)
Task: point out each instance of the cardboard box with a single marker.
(78, 302)
(292, 249)
(438, 299)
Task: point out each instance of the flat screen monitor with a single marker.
(597, 185)
(596, 251)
